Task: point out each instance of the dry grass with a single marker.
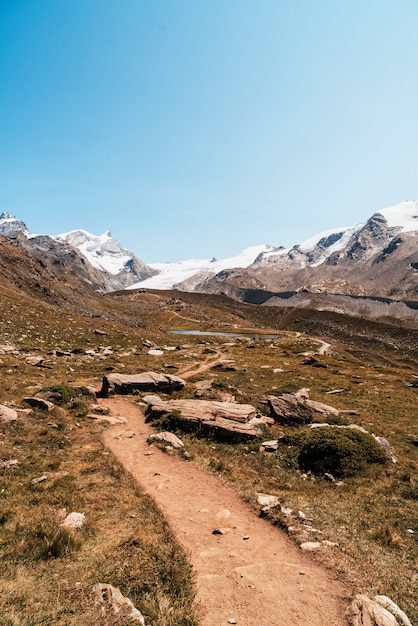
(47, 572)
(125, 540)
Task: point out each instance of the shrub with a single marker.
(340, 451)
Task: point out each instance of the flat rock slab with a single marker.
(125, 384)
(221, 418)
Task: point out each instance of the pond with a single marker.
(250, 335)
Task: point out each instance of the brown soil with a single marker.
(252, 574)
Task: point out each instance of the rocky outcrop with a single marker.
(381, 611)
(135, 383)
(296, 409)
(221, 419)
(376, 258)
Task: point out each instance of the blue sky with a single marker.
(196, 129)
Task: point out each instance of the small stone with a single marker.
(221, 531)
(40, 479)
(232, 621)
(224, 514)
(112, 602)
(7, 415)
(264, 499)
(166, 437)
(269, 446)
(9, 464)
(151, 399)
(155, 352)
(245, 537)
(74, 520)
(34, 360)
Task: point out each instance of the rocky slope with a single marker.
(121, 266)
(99, 260)
(378, 258)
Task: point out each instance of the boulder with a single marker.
(8, 416)
(39, 403)
(393, 608)
(112, 602)
(377, 612)
(290, 410)
(136, 383)
(294, 409)
(222, 419)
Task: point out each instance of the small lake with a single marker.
(213, 333)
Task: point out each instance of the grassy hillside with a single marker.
(47, 576)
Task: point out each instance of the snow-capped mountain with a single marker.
(9, 225)
(99, 260)
(378, 257)
(107, 255)
(184, 274)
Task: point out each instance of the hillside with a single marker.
(59, 337)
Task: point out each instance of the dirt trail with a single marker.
(262, 580)
(211, 361)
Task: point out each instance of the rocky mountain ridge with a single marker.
(100, 261)
(378, 258)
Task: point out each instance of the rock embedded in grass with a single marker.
(8, 415)
(134, 383)
(114, 603)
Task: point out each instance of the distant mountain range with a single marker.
(377, 258)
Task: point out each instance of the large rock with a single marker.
(7, 415)
(223, 419)
(296, 408)
(290, 409)
(377, 612)
(112, 602)
(136, 383)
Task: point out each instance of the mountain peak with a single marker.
(403, 216)
(9, 224)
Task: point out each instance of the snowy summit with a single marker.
(103, 252)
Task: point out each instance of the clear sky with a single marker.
(196, 129)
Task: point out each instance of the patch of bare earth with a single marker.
(251, 575)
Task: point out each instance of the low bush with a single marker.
(340, 451)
